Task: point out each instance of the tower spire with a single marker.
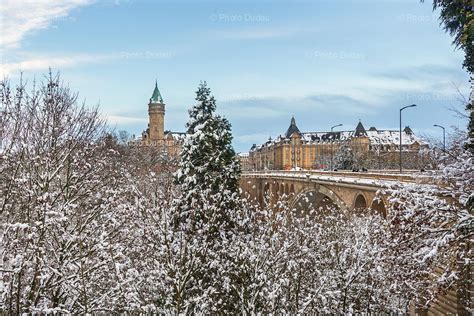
(156, 97)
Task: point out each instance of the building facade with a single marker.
(156, 135)
(370, 149)
(244, 161)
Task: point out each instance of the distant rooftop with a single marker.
(376, 137)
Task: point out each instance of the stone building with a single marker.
(156, 135)
(244, 161)
(371, 149)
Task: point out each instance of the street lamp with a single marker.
(403, 108)
(444, 136)
(332, 142)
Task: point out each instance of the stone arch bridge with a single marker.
(345, 190)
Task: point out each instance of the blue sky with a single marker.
(324, 61)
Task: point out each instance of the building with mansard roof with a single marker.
(156, 135)
(371, 149)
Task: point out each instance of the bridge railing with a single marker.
(415, 177)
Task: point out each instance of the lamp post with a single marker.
(403, 108)
(444, 136)
(332, 144)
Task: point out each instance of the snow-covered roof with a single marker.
(387, 137)
(176, 135)
(327, 136)
(376, 137)
(243, 155)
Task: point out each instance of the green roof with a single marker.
(156, 97)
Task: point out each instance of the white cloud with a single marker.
(42, 63)
(19, 17)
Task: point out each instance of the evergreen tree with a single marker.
(209, 170)
(205, 213)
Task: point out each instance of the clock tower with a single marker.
(156, 117)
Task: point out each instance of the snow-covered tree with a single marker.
(434, 223)
(344, 157)
(209, 170)
(325, 261)
(64, 205)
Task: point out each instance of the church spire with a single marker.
(156, 97)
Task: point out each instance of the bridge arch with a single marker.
(320, 196)
(360, 201)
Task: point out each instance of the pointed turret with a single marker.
(292, 129)
(360, 130)
(156, 97)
